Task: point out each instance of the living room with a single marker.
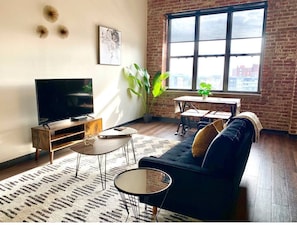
(26, 57)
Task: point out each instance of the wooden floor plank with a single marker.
(281, 213)
(263, 204)
(279, 186)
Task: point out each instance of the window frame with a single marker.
(227, 55)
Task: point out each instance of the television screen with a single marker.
(59, 99)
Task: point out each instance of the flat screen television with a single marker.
(59, 99)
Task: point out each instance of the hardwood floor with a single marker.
(268, 190)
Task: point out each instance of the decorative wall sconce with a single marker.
(50, 13)
(63, 31)
(42, 31)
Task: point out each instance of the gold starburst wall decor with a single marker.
(42, 31)
(50, 13)
(63, 31)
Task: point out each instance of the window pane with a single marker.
(244, 73)
(212, 47)
(213, 27)
(250, 46)
(183, 29)
(211, 70)
(248, 23)
(181, 71)
(182, 49)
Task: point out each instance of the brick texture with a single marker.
(276, 106)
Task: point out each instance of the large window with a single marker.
(220, 46)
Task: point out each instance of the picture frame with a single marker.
(109, 46)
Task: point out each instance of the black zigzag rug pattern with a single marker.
(52, 193)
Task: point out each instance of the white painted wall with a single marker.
(25, 57)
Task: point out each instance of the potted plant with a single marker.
(204, 90)
(139, 84)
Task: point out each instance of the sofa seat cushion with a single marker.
(221, 153)
(182, 153)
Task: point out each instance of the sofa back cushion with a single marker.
(225, 150)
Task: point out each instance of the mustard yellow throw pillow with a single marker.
(219, 124)
(205, 136)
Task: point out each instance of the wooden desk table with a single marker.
(184, 102)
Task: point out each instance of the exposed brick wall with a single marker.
(276, 106)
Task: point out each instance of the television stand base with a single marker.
(63, 134)
(78, 118)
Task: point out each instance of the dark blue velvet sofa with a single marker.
(205, 187)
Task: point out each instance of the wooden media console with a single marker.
(63, 134)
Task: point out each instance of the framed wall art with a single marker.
(109, 46)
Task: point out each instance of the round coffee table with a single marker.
(141, 182)
(99, 147)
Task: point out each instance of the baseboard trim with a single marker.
(154, 118)
(20, 159)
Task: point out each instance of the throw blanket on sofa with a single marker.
(255, 121)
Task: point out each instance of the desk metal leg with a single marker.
(181, 106)
(183, 124)
(178, 126)
(233, 109)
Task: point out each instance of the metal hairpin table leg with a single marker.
(103, 182)
(158, 211)
(126, 150)
(133, 202)
(77, 163)
(133, 150)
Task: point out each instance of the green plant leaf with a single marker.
(135, 92)
(205, 88)
(157, 84)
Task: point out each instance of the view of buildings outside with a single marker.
(243, 75)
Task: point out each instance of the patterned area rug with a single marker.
(52, 193)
